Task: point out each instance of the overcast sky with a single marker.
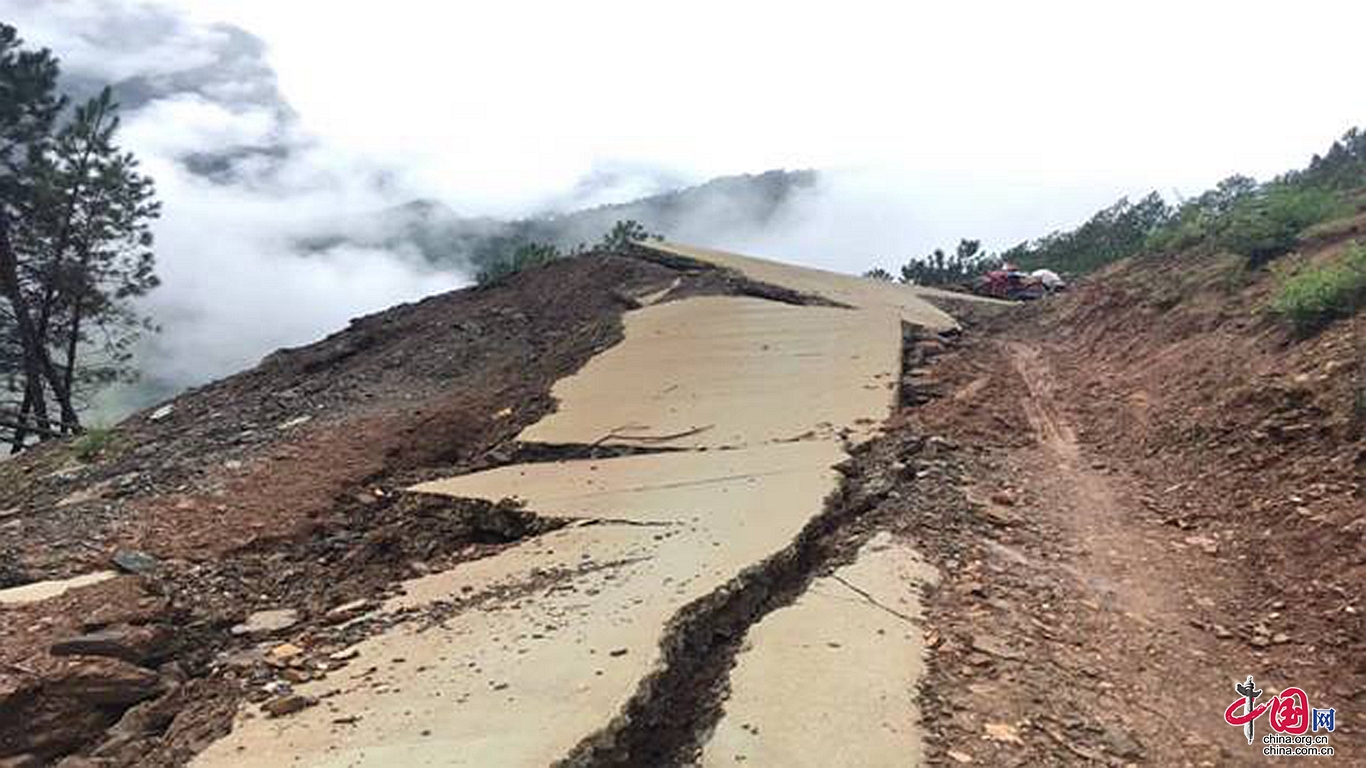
(498, 103)
(932, 121)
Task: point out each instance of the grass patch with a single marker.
(93, 443)
(1316, 296)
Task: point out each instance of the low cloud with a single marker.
(242, 185)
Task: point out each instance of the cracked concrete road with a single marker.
(542, 647)
(905, 301)
(830, 680)
(722, 371)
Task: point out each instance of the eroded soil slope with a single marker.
(1163, 493)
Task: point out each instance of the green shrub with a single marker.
(523, 256)
(1314, 297)
(624, 234)
(1178, 235)
(512, 255)
(1264, 226)
(93, 443)
(1337, 227)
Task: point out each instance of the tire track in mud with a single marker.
(1143, 590)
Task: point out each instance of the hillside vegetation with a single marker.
(1258, 221)
(1315, 296)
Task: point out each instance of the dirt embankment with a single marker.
(1163, 493)
(279, 489)
(1246, 435)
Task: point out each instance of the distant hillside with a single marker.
(733, 204)
(1259, 221)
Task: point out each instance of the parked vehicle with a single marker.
(1014, 285)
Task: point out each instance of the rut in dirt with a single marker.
(1076, 581)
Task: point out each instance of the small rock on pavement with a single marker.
(135, 562)
(288, 704)
(344, 655)
(617, 652)
(267, 622)
(347, 611)
(997, 516)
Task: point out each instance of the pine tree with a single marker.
(101, 245)
(624, 234)
(29, 106)
(75, 244)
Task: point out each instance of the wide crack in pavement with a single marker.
(670, 558)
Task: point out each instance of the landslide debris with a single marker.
(272, 502)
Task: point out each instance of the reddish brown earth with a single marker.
(1168, 496)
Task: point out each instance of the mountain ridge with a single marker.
(445, 238)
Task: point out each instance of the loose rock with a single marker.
(135, 562)
(288, 704)
(264, 623)
(98, 681)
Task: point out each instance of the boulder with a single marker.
(124, 739)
